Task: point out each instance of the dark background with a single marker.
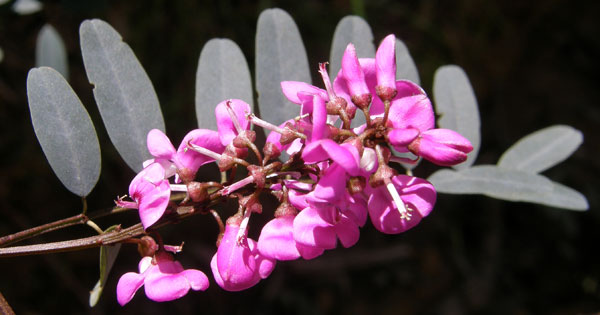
(532, 64)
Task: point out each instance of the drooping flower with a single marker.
(238, 264)
(150, 191)
(417, 197)
(163, 278)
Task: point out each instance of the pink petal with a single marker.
(227, 130)
(385, 59)
(412, 112)
(442, 146)
(291, 89)
(159, 145)
(355, 78)
(407, 88)
(235, 263)
(311, 230)
(162, 287)
(276, 239)
(402, 137)
(328, 149)
(144, 180)
(332, 184)
(197, 279)
(418, 193)
(264, 265)
(192, 160)
(347, 231)
(153, 204)
(309, 252)
(128, 284)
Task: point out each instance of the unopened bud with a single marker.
(386, 93)
(197, 191)
(244, 139)
(251, 203)
(147, 246)
(362, 101)
(271, 151)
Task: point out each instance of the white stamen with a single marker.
(404, 214)
(243, 227)
(203, 150)
(178, 187)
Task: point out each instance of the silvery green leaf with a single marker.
(124, 94)
(456, 103)
(564, 197)
(64, 130)
(542, 149)
(25, 7)
(351, 29)
(493, 181)
(50, 51)
(1, 54)
(280, 56)
(108, 255)
(405, 65)
(222, 74)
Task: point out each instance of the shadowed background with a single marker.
(531, 65)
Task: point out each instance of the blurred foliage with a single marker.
(532, 64)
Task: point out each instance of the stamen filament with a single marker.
(404, 214)
(243, 227)
(326, 80)
(237, 185)
(178, 187)
(234, 117)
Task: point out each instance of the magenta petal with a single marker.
(442, 146)
(192, 160)
(347, 231)
(402, 137)
(128, 284)
(291, 89)
(264, 265)
(319, 119)
(412, 112)
(385, 59)
(197, 279)
(419, 194)
(406, 88)
(153, 205)
(159, 145)
(227, 130)
(325, 149)
(355, 78)
(311, 230)
(235, 263)
(332, 184)
(309, 252)
(276, 239)
(385, 215)
(143, 182)
(162, 287)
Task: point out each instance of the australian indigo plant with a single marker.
(331, 156)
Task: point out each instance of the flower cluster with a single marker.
(335, 178)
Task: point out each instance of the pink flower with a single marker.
(355, 78)
(276, 239)
(442, 146)
(318, 228)
(238, 264)
(163, 278)
(150, 191)
(391, 216)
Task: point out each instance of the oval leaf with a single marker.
(64, 130)
(405, 65)
(222, 74)
(351, 29)
(50, 51)
(455, 102)
(564, 197)
(124, 94)
(280, 56)
(492, 181)
(542, 149)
